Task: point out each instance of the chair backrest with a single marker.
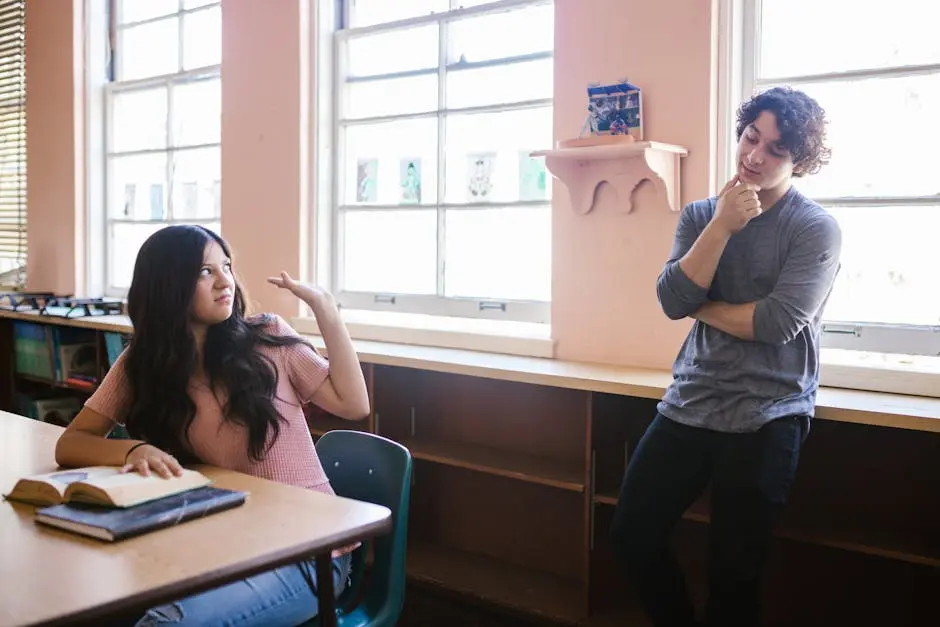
(368, 467)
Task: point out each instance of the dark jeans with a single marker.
(750, 474)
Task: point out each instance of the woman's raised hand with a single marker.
(311, 294)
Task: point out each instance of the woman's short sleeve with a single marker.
(112, 399)
(306, 368)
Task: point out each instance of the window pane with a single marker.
(197, 113)
(125, 242)
(390, 163)
(516, 82)
(368, 12)
(397, 51)
(888, 272)
(196, 184)
(390, 251)
(867, 159)
(903, 32)
(137, 10)
(395, 96)
(195, 4)
(499, 35)
(137, 187)
(138, 120)
(499, 253)
(500, 141)
(151, 49)
(202, 38)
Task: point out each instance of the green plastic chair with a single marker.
(370, 468)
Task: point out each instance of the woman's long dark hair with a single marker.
(161, 357)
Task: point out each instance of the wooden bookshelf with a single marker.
(321, 423)
(65, 385)
(504, 463)
(487, 534)
(917, 548)
(523, 590)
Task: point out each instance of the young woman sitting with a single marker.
(201, 382)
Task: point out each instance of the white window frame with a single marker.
(329, 135)
(739, 23)
(101, 221)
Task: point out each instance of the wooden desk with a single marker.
(50, 577)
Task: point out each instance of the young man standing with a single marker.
(754, 266)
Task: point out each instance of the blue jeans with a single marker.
(750, 475)
(284, 596)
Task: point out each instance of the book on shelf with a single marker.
(102, 485)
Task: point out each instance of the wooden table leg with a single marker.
(325, 591)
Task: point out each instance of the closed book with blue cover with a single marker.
(113, 524)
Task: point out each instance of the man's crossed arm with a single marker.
(800, 291)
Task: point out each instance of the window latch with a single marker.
(842, 329)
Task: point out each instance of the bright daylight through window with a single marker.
(163, 124)
(877, 75)
(13, 143)
(439, 208)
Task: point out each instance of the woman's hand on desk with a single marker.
(146, 459)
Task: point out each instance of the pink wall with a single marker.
(55, 145)
(264, 144)
(605, 263)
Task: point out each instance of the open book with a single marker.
(102, 485)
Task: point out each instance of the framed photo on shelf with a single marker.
(616, 109)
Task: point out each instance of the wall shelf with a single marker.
(623, 165)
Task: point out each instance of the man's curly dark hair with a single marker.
(801, 122)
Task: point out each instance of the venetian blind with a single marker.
(12, 138)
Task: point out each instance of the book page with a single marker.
(126, 489)
(49, 488)
(62, 478)
(110, 482)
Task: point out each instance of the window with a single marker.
(163, 125)
(438, 207)
(12, 142)
(877, 75)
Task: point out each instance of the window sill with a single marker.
(847, 370)
(527, 339)
(917, 376)
(852, 405)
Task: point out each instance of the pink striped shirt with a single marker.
(292, 458)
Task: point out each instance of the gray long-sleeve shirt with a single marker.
(786, 261)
